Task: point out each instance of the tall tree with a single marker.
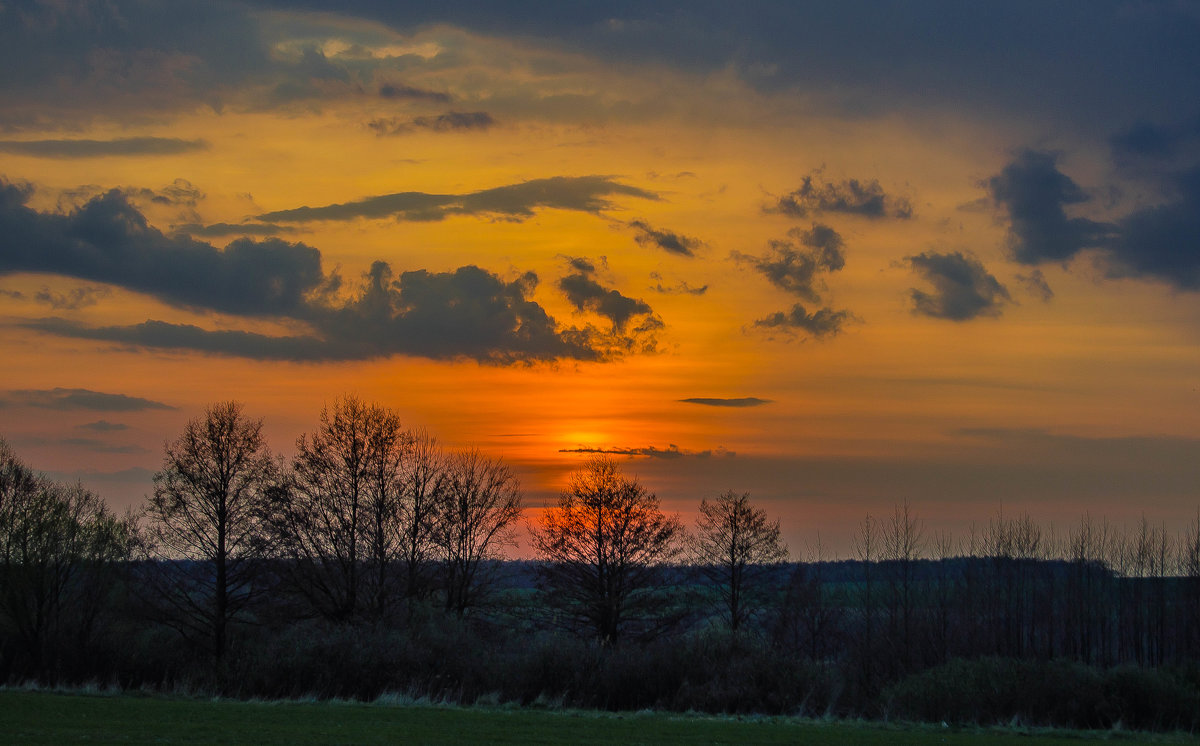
(337, 523)
(425, 485)
(480, 503)
(204, 523)
(602, 547)
(734, 547)
(59, 545)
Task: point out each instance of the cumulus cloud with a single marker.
(668, 241)
(1161, 242)
(127, 146)
(465, 313)
(672, 451)
(64, 399)
(1157, 242)
(850, 197)
(512, 202)
(823, 323)
(962, 288)
(795, 266)
(1035, 194)
(585, 293)
(109, 240)
(451, 121)
(746, 401)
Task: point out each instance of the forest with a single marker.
(373, 562)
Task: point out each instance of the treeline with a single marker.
(372, 562)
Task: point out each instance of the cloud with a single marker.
(668, 241)
(466, 313)
(1161, 242)
(1035, 193)
(180, 193)
(100, 446)
(850, 197)
(109, 240)
(400, 91)
(513, 202)
(451, 121)
(1035, 284)
(825, 322)
(218, 230)
(962, 288)
(1157, 242)
(128, 146)
(748, 401)
(63, 400)
(73, 299)
(586, 294)
(680, 288)
(796, 268)
(672, 451)
(1153, 141)
(103, 426)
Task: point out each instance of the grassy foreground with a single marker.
(52, 718)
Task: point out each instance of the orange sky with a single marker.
(1005, 326)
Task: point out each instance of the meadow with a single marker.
(57, 718)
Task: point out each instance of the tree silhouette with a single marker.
(603, 546)
(205, 531)
(337, 523)
(480, 502)
(734, 544)
(59, 545)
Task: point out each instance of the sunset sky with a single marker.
(837, 254)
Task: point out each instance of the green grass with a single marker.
(28, 717)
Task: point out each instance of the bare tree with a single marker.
(58, 546)
(204, 525)
(481, 502)
(337, 523)
(734, 547)
(603, 545)
(424, 490)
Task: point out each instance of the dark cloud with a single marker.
(1035, 193)
(1161, 242)
(513, 201)
(672, 451)
(581, 264)
(795, 266)
(467, 313)
(103, 426)
(179, 193)
(668, 241)
(1035, 284)
(109, 240)
(129, 146)
(451, 121)
(962, 288)
(680, 288)
(824, 322)
(14, 294)
(407, 92)
(218, 230)
(1157, 242)
(747, 401)
(73, 299)
(851, 197)
(1153, 141)
(62, 399)
(586, 294)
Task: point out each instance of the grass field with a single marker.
(51, 718)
